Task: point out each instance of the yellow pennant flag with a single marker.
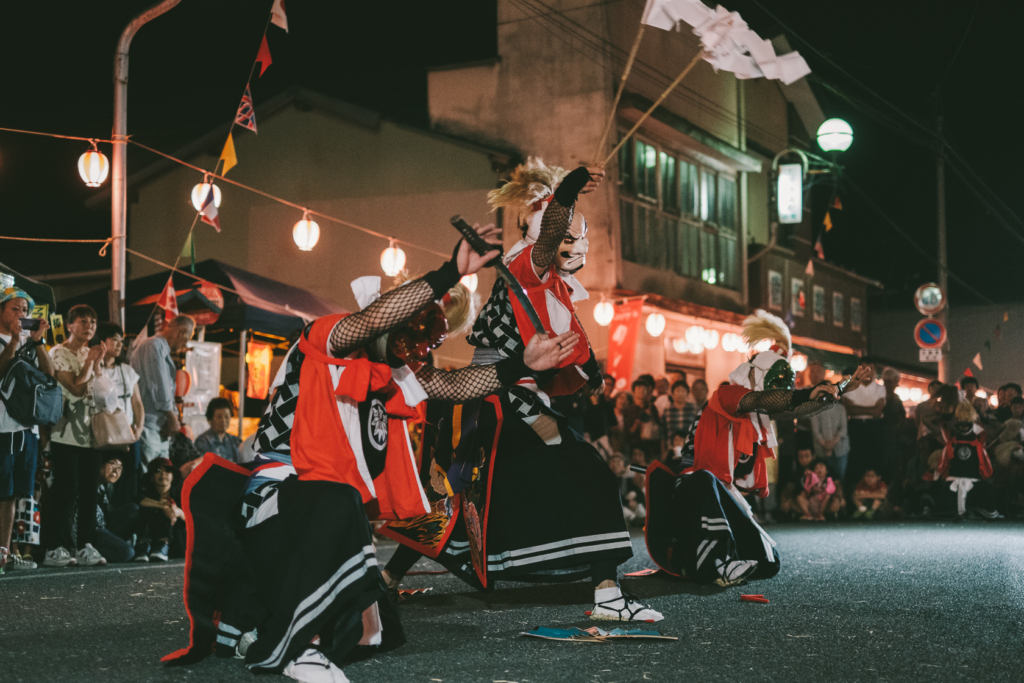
(228, 156)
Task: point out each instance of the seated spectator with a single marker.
(115, 524)
(161, 530)
(633, 510)
(791, 483)
(678, 457)
(818, 490)
(1006, 445)
(617, 464)
(216, 439)
(869, 495)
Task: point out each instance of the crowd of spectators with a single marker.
(64, 499)
(870, 457)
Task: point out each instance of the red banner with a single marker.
(257, 360)
(622, 340)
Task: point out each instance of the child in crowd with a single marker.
(792, 488)
(216, 440)
(818, 492)
(162, 522)
(676, 458)
(869, 495)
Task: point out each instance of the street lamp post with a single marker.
(118, 183)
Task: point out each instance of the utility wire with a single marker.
(967, 32)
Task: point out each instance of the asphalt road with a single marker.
(873, 602)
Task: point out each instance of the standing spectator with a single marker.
(893, 415)
(644, 432)
(679, 415)
(600, 416)
(699, 393)
(216, 440)
(1010, 392)
(865, 405)
(831, 439)
(126, 385)
(924, 412)
(152, 361)
(969, 392)
(663, 395)
(19, 447)
(625, 413)
(74, 462)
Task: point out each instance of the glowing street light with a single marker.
(835, 135)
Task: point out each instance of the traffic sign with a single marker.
(929, 355)
(930, 334)
(929, 299)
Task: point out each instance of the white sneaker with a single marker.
(312, 666)
(90, 557)
(611, 604)
(18, 562)
(59, 557)
(244, 642)
(734, 572)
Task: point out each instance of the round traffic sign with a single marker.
(929, 299)
(930, 334)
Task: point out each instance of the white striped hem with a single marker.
(571, 547)
(352, 570)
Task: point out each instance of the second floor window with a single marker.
(678, 215)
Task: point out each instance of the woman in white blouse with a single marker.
(128, 399)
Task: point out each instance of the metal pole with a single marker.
(940, 170)
(241, 379)
(118, 206)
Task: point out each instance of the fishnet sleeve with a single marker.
(553, 227)
(459, 386)
(782, 404)
(383, 315)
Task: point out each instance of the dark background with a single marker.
(188, 70)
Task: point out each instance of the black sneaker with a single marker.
(141, 551)
(159, 553)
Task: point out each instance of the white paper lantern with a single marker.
(306, 233)
(710, 339)
(603, 313)
(470, 281)
(392, 260)
(695, 335)
(93, 167)
(799, 362)
(201, 191)
(680, 345)
(655, 324)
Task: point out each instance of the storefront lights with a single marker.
(915, 394)
(93, 167)
(470, 282)
(200, 192)
(392, 260)
(835, 135)
(306, 233)
(981, 393)
(655, 324)
(604, 312)
(798, 362)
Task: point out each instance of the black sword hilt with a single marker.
(473, 239)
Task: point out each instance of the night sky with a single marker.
(188, 70)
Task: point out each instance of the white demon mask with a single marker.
(572, 252)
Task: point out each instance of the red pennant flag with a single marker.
(838, 205)
(819, 249)
(168, 300)
(208, 212)
(810, 267)
(968, 373)
(263, 56)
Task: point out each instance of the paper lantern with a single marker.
(392, 260)
(799, 362)
(835, 135)
(655, 324)
(710, 339)
(470, 281)
(695, 335)
(603, 313)
(306, 233)
(93, 167)
(200, 192)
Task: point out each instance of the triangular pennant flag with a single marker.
(263, 56)
(168, 300)
(977, 360)
(988, 345)
(208, 212)
(968, 373)
(827, 222)
(810, 267)
(837, 205)
(819, 248)
(227, 155)
(189, 250)
(246, 115)
(277, 15)
(1006, 317)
